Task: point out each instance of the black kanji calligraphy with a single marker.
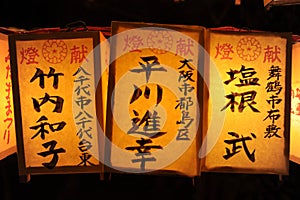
(42, 127)
(56, 100)
(39, 74)
(236, 148)
(52, 151)
(149, 67)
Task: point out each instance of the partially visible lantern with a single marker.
(7, 120)
(56, 109)
(295, 105)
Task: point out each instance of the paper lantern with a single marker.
(295, 106)
(7, 120)
(155, 90)
(252, 92)
(56, 108)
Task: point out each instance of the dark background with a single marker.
(251, 14)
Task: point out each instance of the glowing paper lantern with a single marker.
(55, 84)
(154, 87)
(7, 120)
(252, 91)
(295, 106)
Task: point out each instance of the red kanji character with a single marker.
(184, 47)
(272, 55)
(29, 55)
(133, 43)
(77, 54)
(224, 50)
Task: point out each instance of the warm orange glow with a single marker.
(295, 106)
(7, 120)
(245, 62)
(56, 82)
(171, 150)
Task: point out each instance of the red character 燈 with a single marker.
(133, 43)
(224, 50)
(29, 55)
